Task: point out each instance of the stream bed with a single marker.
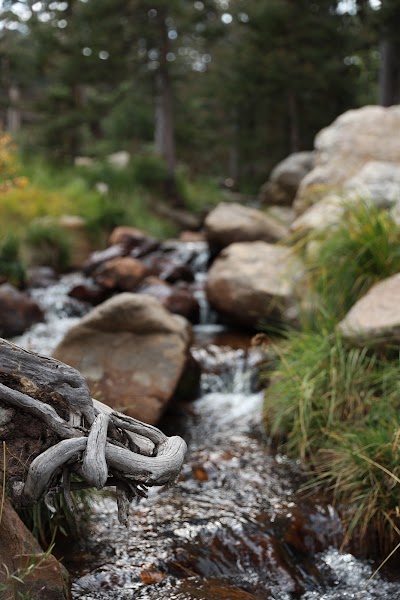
(235, 526)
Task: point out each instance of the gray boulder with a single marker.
(285, 179)
(342, 149)
(252, 283)
(375, 318)
(230, 222)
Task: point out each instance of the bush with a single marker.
(11, 266)
(48, 244)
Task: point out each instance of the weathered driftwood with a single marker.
(53, 429)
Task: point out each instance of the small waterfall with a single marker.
(61, 313)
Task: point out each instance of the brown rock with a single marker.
(136, 242)
(98, 258)
(132, 352)
(21, 557)
(123, 273)
(17, 311)
(178, 300)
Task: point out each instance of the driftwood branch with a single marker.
(75, 434)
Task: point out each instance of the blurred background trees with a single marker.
(228, 87)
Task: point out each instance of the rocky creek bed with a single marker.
(235, 526)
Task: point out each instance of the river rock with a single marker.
(177, 299)
(136, 242)
(252, 283)
(17, 311)
(375, 318)
(132, 352)
(123, 274)
(342, 149)
(101, 256)
(19, 552)
(285, 179)
(231, 222)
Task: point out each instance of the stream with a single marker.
(235, 526)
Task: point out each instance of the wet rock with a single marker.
(132, 352)
(192, 236)
(285, 179)
(17, 311)
(101, 256)
(89, 292)
(178, 300)
(24, 570)
(176, 260)
(375, 318)
(253, 283)
(231, 222)
(123, 274)
(342, 149)
(136, 242)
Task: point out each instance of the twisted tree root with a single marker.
(103, 446)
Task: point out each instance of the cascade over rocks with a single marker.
(343, 150)
(375, 318)
(253, 282)
(231, 222)
(132, 352)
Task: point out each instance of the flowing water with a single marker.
(235, 526)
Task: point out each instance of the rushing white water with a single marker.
(61, 313)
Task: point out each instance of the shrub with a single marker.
(47, 244)
(11, 267)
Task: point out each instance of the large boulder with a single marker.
(375, 318)
(252, 283)
(132, 352)
(17, 311)
(231, 222)
(377, 182)
(342, 149)
(25, 572)
(285, 179)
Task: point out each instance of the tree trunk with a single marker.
(389, 76)
(51, 428)
(164, 133)
(294, 130)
